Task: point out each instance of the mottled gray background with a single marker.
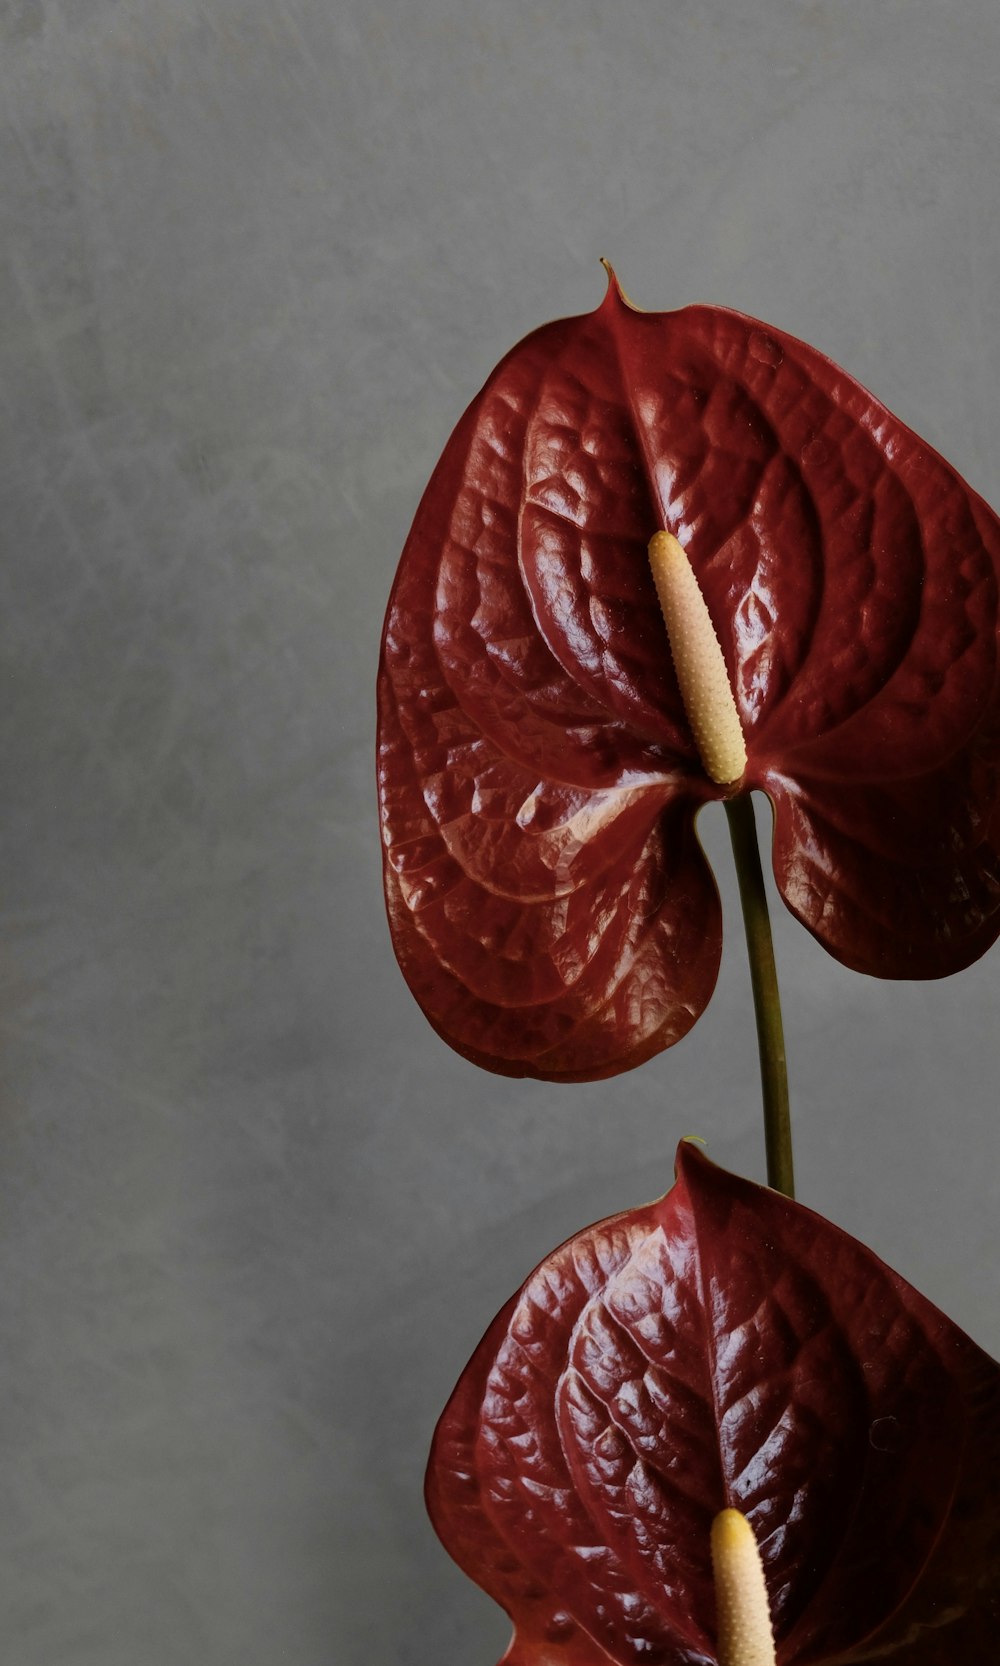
(256, 256)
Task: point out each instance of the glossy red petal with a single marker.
(952, 1617)
(550, 905)
(547, 930)
(899, 879)
(724, 1346)
(852, 579)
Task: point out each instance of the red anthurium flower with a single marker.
(725, 1349)
(549, 902)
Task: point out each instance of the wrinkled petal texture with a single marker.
(725, 1347)
(549, 903)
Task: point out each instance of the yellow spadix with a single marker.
(697, 656)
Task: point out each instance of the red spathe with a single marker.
(725, 1347)
(549, 902)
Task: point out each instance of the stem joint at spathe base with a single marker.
(718, 733)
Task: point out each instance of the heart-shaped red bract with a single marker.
(549, 903)
(725, 1347)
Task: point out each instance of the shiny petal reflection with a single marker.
(725, 1347)
(534, 757)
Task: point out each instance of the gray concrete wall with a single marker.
(255, 258)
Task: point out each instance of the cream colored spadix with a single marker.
(743, 1616)
(697, 655)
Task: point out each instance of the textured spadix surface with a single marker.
(725, 1347)
(549, 903)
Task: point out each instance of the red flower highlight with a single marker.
(549, 902)
(725, 1348)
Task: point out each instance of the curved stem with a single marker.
(766, 1001)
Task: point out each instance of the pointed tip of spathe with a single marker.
(615, 292)
(692, 1156)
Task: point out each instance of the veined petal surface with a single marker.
(538, 778)
(725, 1347)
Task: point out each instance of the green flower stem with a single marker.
(766, 1001)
